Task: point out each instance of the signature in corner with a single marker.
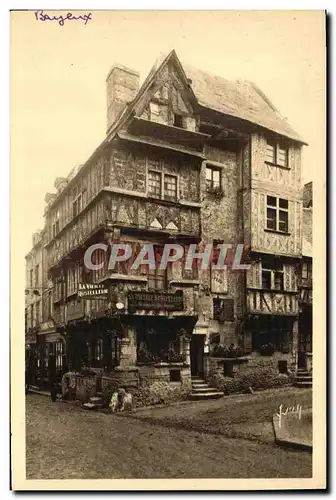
(291, 409)
(40, 16)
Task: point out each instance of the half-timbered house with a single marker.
(188, 158)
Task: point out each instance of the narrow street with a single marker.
(67, 442)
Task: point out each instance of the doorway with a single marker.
(197, 355)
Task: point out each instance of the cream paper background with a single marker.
(52, 131)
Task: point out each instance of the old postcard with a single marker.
(168, 197)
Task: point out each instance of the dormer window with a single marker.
(277, 153)
(271, 152)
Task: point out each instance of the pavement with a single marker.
(64, 441)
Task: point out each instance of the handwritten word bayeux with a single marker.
(41, 16)
(296, 410)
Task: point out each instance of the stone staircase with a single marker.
(201, 390)
(303, 379)
(94, 403)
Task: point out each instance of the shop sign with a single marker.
(47, 326)
(155, 300)
(92, 291)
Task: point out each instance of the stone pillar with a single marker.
(128, 350)
(295, 344)
(247, 342)
(185, 348)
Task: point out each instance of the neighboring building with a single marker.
(188, 158)
(33, 294)
(306, 274)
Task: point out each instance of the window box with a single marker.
(215, 191)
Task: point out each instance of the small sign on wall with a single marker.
(218, 280)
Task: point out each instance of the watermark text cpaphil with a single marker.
(192, 255)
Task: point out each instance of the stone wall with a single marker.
(150, 384)
(221, 220)
(255, 372)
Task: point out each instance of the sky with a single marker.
(58, 96)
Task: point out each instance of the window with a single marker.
(99, 257)
(58, 290)
(98, 354)
(178, 121)
(56, 224)
(32, 319)
(31, 278)
(157, 278)
(272, 275)
(277, 214)
(74, 276)
(305, 270)
(154, 184)
(37, 312)
(26, 319)
(59, 355)
(76, 200)
(190, 274)
(49, 307)
(271, 151)
(170, 187)
(223, 309)
(213, 177)
(277, 153)
(282, 158)
(37, 274)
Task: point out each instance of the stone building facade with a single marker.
(188, 158)
(305, 284)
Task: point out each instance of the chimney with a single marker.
(122, 85)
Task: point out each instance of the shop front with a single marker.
(50, 359)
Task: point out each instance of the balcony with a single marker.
(274, 303)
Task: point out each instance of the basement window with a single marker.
(175, 375)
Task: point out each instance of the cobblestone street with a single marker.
(66, 442)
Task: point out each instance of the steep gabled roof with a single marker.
(240, 99)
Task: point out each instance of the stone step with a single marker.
(303, 385)
(197, 390)
(199, 384)
(90, 406)
(304, 378)
(302, 372)
(197, 380)
(206, 395)
(96, 400)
